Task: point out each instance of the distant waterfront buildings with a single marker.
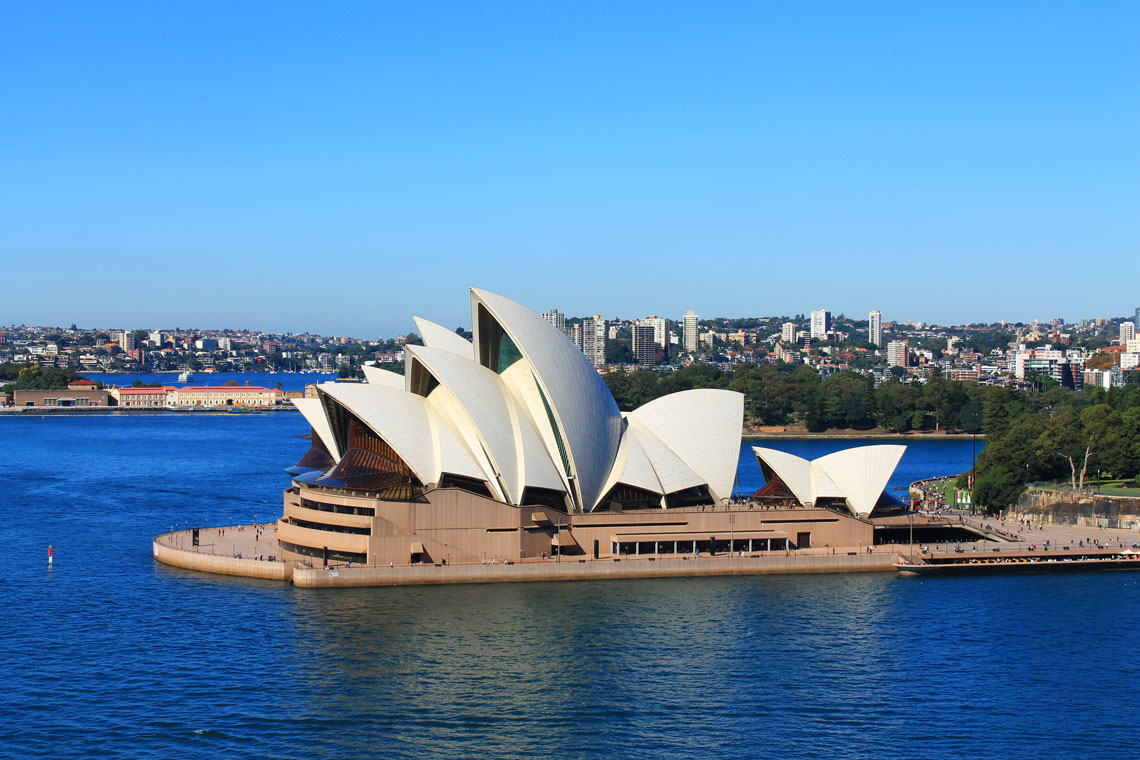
(691, 337)
(875, 328)
(820, 324)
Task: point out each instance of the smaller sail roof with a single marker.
(314, 413)
(377, 376)
(438, 336)
(858, 475)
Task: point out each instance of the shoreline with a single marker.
(82, 411)
(754, 433)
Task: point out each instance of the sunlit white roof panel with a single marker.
(314, 413)
(588, 419)
(703, 428)
(438, 336)
(862, 473)
(377, 376)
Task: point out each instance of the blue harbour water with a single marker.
(109, 654)
(290, 381)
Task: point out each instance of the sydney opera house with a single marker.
(510, 446)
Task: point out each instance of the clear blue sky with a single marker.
(341, 166)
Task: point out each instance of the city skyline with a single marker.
(942, 166)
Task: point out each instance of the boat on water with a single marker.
(1029, 562)
(186, 376)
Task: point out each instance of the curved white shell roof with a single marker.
(861, 473)
(793, 470)
(672, 472)
(702, 427)
(377, 376)
(547, 421)
(314, 413)
(588, 419)
(504, 431)
(438, 336)
(857, 475)
(407, 424)
(632, 466)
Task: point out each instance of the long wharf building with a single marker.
(510, 446)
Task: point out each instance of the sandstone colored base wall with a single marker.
(591, 570)
(221, 565)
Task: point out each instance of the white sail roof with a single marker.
(857, 475)
(587, 418)
(314, 413)
(407, 424)
(793, 470)
(862, 473)
(377, 376)
(438, 336)
(632, 467)
(672, 472)
(703, 428)
(504, 431)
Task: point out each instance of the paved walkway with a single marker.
(242, 541)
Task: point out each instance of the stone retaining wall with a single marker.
(310, 577)
(222, 565)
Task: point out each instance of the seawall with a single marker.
(575, 570)
(177, 549)
(165, 549)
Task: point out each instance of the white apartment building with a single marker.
(594, 339)
(788, 332)
(691, 336)
(660, 329)
(820, 324)
(557, 319)
(875, 328)
(898, 353)
(1127, 332)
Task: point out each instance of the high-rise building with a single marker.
(155, 338)
(1127, 332)
(644, 344)
(576, 335)
(788, 332)
(691, 337)
(898, 353)
(820, 324)
(594, 339)
(660, 329)
(875, 328)
(557, 319)
(127, 340)
(1136, 319)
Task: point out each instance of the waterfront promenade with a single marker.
(252, 551)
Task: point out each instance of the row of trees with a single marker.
(1070, 442)
(24, 377)
(788, 394)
